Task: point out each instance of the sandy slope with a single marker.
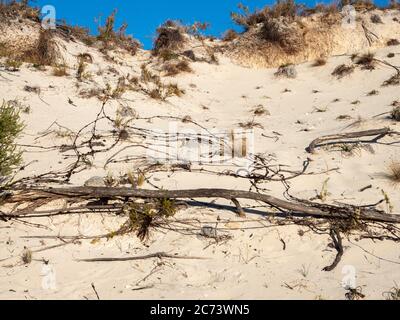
(253, 263)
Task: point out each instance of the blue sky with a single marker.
(143, 17)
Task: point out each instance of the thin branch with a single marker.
(158, 255)
(337, 241)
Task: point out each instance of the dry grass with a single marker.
(81, 73)
(173, 89)
(12, 65)
(246, 19)
(287, 71)
(167, 55)
(250, 125)
(393, 172)
(152, 85)
(279, 34)
(319, 62)
(111, 39)
(373, 93)
(86, 57)
(260, 111)
(375, 18)
(173, 69)
(287, 36)
(20, 9)
(283, 8)
(393, 294)
(395, 114)
(26, 256)
(60, 71)
(393, 42)
(81, 69)
(366, 61)
(392, 81)
(170, 36)
(230, 35)
(147, 76)
(120, 89)
(46, 52)
(360, 5)
(393, 4)
(80, 33)
(342, 71)
(93, 92)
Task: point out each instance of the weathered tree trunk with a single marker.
(325, 211)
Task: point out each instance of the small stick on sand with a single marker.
(159, 255)
(366, 188)
(337, 241)
(95, 291)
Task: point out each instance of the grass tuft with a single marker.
(392, 42)
(395, 114)
(393, 172)
(319, 62)
(60, 71)
(392, 81)
(342, 71)
(366, 61)
(287, 71)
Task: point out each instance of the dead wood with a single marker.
(292, 207)
(337, 242)
(369, 35)
(337, 138)
(158, 255)
(239, 208)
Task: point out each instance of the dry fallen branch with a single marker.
(158, 255)
(337, 138)
(309, 208)
(337, 242)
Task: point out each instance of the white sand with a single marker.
(250, 265)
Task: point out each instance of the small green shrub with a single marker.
(10, 127)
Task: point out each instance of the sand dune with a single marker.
(260, 256)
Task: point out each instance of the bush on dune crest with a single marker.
(170, 37)
(290, 32)
(110, 38)
(359, 5)
(283, 8)
(278, 34)
(21, 9)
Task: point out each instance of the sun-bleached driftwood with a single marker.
(291, 207)
(158, 255)
(336, 138)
